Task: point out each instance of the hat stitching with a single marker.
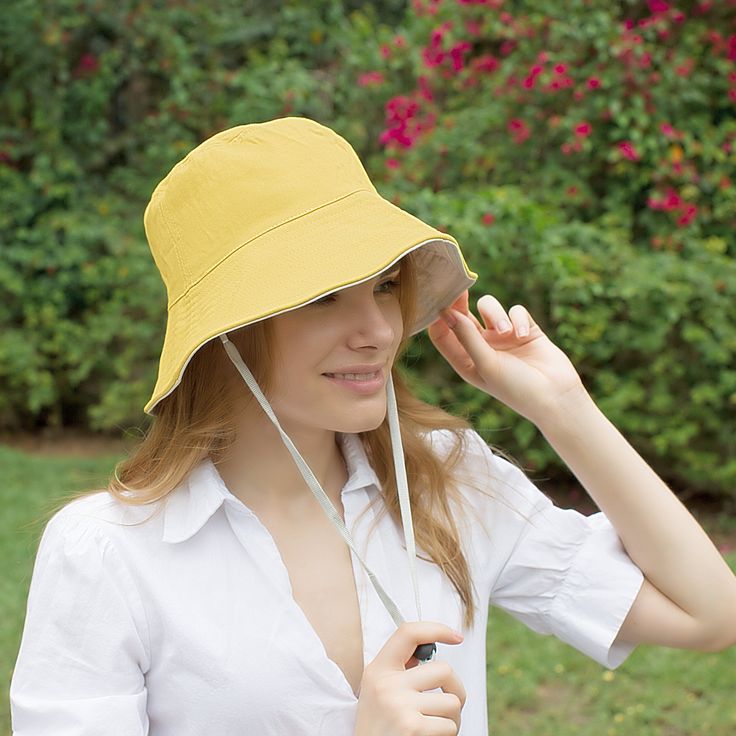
(255, 237)
(175, 238)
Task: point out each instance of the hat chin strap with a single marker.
(423, 651)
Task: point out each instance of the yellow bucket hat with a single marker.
(263, 218)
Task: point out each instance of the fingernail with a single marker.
(449, 318)
(523, 331)
(458, 635)
(504, 325)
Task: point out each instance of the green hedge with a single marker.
(599, 239)
(652, 334)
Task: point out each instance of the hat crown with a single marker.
(240, 184)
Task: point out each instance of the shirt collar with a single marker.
(202, 492)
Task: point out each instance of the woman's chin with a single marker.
(362, 422)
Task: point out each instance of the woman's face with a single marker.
(359, 328)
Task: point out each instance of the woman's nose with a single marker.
(370, 321)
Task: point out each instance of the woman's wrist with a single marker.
(563, 415)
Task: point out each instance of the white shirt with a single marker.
(185, 623)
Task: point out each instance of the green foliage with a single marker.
(463, 115)
(650, 334)
(102, 99)
(621, 113)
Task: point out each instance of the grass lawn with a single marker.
(537, 686)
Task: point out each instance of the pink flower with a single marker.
(385, 51)
(457, 53)
(628, 151)
(669, 131)
(425, 89)
(519, 129)
(432, 57)
(731, 50)
(658, 6)
(399, 41)
(507, 47)
(404, 123)
(594, 83)
(489, 218)
(688, 216)
(672, 201)
(486, 63)
(685, 68)
(473, 27)
(583, 129)
(370, 79)
(392, 163)
(88, 64)
(560, 68)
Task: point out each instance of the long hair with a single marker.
(198, 418)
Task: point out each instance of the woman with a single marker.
(209, 590)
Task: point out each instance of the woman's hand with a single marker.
(527, 372)
(396, 701)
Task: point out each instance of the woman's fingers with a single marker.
(448, 344)
(461, 305)
(472, 345)
(495, 316)
(522, 320)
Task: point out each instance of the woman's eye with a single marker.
(392, 285)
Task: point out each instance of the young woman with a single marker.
(253, 567)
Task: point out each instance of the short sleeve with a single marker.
(560, 572)
(84, 646)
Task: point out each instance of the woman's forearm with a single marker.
(658, 532)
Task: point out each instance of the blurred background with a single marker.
(582, 153)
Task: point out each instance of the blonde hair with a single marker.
(198, 420)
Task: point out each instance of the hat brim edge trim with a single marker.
(448, 298)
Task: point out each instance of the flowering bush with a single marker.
(584, 162)
(617, 121)
(622, 113)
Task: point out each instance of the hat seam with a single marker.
(175, 239)
(192, 284)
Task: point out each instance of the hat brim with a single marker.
(359, 236)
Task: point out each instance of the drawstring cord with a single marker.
(424, 652)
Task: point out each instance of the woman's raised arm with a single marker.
(688, 598)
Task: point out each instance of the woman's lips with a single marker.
(358, 385)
